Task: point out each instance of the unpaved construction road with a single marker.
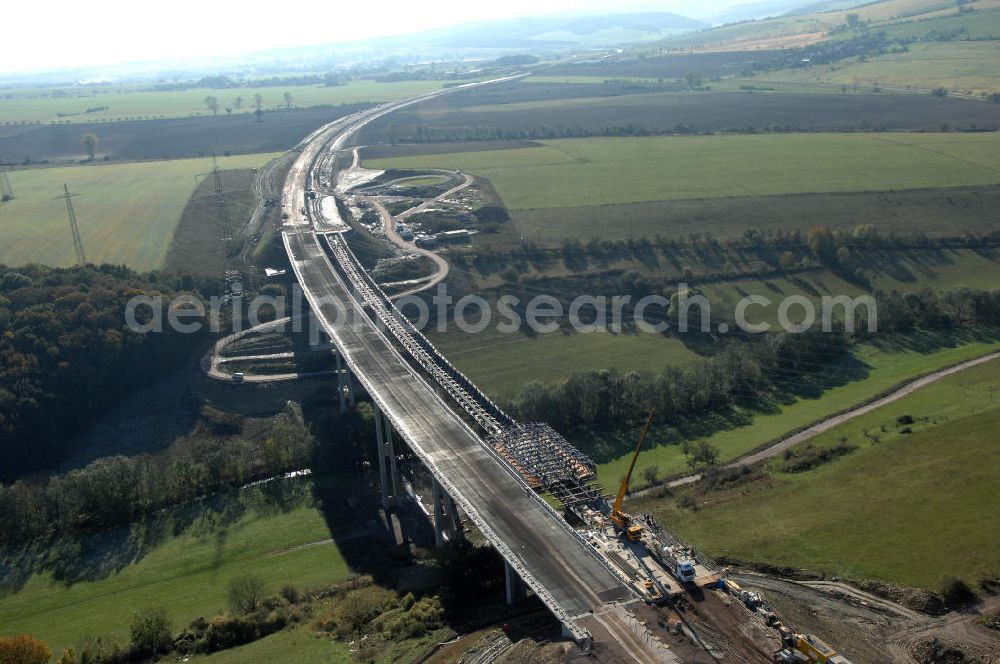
(869, 629)
(441, 265)
(389, 226)
(836, 420)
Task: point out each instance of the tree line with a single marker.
(822, 241)
(752, 372)
(428, 134)
(611, 399)
(118, 490)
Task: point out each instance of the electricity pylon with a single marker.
(6, 192)
(81, 256)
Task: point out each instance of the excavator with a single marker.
(621, 519)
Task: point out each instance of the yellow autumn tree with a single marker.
(23, 649)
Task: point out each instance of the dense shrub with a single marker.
(492, 214)
(359, 607)
(411, 619)
(957, 592)
(228, 631)
(797, 460)
(151, 632)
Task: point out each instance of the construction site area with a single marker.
(683, 606)
(623, 587)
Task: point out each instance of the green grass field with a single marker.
(886, 368)
(981, 24)
(501, 364)
(123, 102)
(911, 509)
(605, 171)
(187, 575)
(291, 646)
(127, 213)
(965, 66)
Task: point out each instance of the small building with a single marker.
(459, 235)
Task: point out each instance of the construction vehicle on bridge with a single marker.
(622, 520)
(680, 561)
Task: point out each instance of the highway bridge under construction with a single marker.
(482, 461)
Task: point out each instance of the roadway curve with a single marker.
(553, 559)
(441, 265)
(836, 420)
(467, 181)
(213, 359)
(389, 227)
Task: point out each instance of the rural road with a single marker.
(213, 358)
(389, 225)
(466, 181)
(831, 422)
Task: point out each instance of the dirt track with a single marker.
(869, 629)
(836, 420)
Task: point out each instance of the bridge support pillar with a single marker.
(454, 527)
(340, 383)
(517, 592)
(345, 384)
(445, 514)
(388, 472)
(390, 450)
(350, 386)
(436, 496)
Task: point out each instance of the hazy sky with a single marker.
(45, 34)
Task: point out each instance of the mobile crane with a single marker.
(621, 519)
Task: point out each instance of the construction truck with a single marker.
(623, 521)
(812, 649)
(680, 562)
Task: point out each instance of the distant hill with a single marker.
(826, 6)
(774, 24)
(759, 9)
(529, 32)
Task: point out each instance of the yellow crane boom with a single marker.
(618, 517)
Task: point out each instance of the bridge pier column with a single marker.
(445, 515)
(345, 384)
(340, 383)
(386, 460)
(436, 496)
(390, 451)
(350, 386)
(517, 592)
(454, 527)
